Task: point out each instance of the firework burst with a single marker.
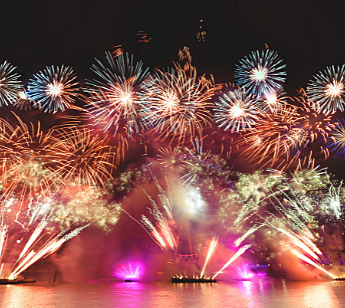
(273, 102)
(53, 89)
(83, 204)
(277, 138)
(326, 90)
(9, 84)
(23, 169)
(261, 73)
(336, 138)
(77, 155)
(22, 101)
(173, 158)
(316, 124)
(236, 111)
(175, 103)
(113, 100)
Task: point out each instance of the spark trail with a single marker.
(233, 258)
(211, 250)
(306, 259)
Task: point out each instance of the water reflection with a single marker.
(132, 294)
(320, 295)
(251, 294)
(15, 296)
(248, 286)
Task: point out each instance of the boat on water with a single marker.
(191, 279)
(16, 281)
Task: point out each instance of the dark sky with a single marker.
(308, 35)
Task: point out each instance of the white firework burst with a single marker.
(261, 73)
(113, 97)
(53, 89)
(236, 111)
(327, 90)
(10, 84)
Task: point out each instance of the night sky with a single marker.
(308, 35)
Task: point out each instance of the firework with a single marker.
(3, 238)
(278, 139)
(173, 158)
(194, 204)
(299, 241)
(23, 172)
(76, 155)
(236, 111)
(316, 124)
(273, 102)
(129, 272)
(53, 89)
(163, 234)
(336, 138)
(162, 230)
(62, 179)
(114, 100)
(47, 223)
(185, 57)
(301, 196)
(81, 204)
(326, 90)
(232, 259)
(49, 247)
(239, 241)
(306, 259)
(188, 162)
(9, 84)
(245, 274)
(175, 103)
(261, 73)
(210, 252)
(39, 244)
(22, 101)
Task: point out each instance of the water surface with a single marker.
(251, 294)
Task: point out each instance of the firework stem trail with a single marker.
(211, 250)
(3, 238)
(306, 259)
(49, 247)
(233, 258)
(143, 226)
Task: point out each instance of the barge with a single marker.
(181, 279)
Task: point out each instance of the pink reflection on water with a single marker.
(246, 273)
(129, 271)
